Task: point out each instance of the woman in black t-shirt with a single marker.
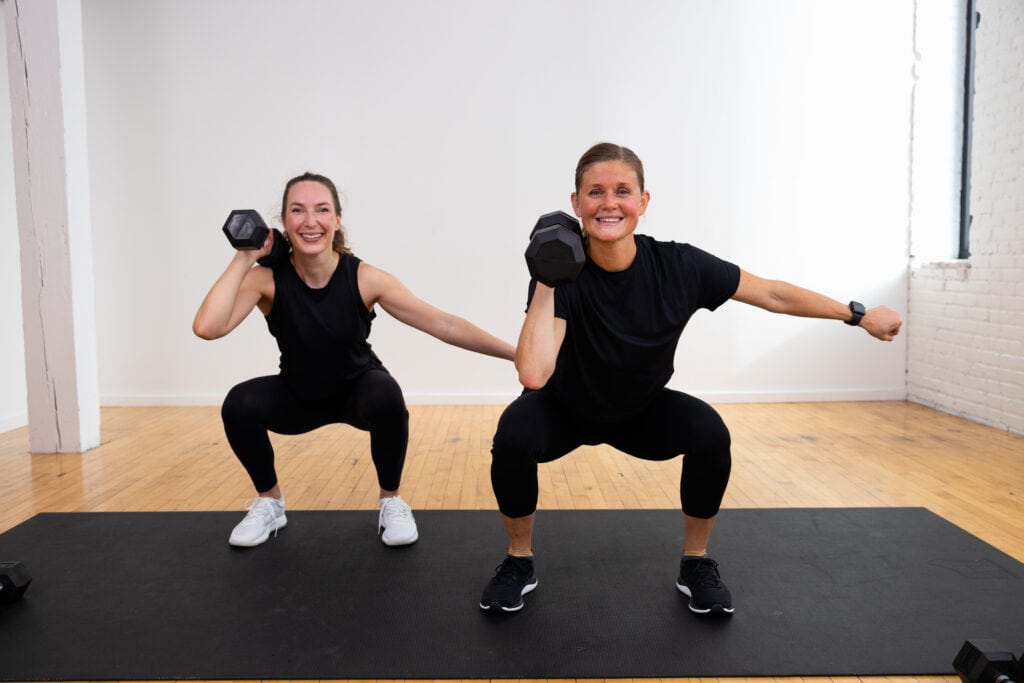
(318, 303)
(595, 356)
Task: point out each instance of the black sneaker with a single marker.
(512, 580)
(699, 579)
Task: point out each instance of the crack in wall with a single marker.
(21, 50)
(26, 109)
(24, 67)
(44, 349)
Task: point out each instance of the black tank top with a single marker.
(322, 333)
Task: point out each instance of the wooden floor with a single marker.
(871, 454)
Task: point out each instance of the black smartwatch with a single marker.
(857, 312)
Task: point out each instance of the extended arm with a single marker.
(378, 286)
(777, 296)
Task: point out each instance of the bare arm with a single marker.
(378, 286)
(235, 293)
(777, 296)
(539, 340)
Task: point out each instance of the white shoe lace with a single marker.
(261, 510)
(395, 510)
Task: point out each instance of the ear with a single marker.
(645, 197)
(575, 204)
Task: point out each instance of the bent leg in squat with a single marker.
(530, 430)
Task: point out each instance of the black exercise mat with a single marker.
(818, 592)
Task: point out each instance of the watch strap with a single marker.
(856, 313)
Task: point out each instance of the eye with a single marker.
(624, 191)
(595, 193)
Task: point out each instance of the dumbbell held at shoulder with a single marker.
(246, 230)
(555, 255)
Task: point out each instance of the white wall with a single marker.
(13, 394)
(775, 135)
(967, 317)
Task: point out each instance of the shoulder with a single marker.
(661, 248)
(664, 246)
(375, 283)
(349, 267)
(667, 252)
(693, 264)
(367, 273)
(683, 251)
(262, 278)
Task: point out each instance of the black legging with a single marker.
(536, 428)
(372, 402)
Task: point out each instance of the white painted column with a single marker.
(51, 171)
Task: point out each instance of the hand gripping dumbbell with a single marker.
(246, 230)
(555, 255)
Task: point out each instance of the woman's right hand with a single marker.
(268, 246)
(252, 256)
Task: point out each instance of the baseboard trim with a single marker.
(425, 398)
(13, 421)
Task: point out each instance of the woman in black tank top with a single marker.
(318, 302)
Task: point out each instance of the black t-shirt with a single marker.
(622, 328)
(322, 333)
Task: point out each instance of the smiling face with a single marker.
(609, 200)
(310, 217)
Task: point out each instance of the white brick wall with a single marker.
(966, 319)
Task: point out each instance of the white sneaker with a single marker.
(265, 515)
(397, 523)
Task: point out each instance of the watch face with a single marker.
(857, 307)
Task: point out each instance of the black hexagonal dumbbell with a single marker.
(14, 580)
(555, 255)
(246, 229)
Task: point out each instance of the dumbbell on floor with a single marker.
(14, 580)
(246, 230)
(555, 255)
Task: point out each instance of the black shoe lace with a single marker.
(511, 571)
(705, 574)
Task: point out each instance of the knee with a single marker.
(504, 447)
(525, 432)
(239, 404)
(710, 435)
(511, 445)
(387, 407)
(710, 448)
(384, 403)
(513, 473)
(717, 438)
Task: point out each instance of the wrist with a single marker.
(246, 257)
(857, 312)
